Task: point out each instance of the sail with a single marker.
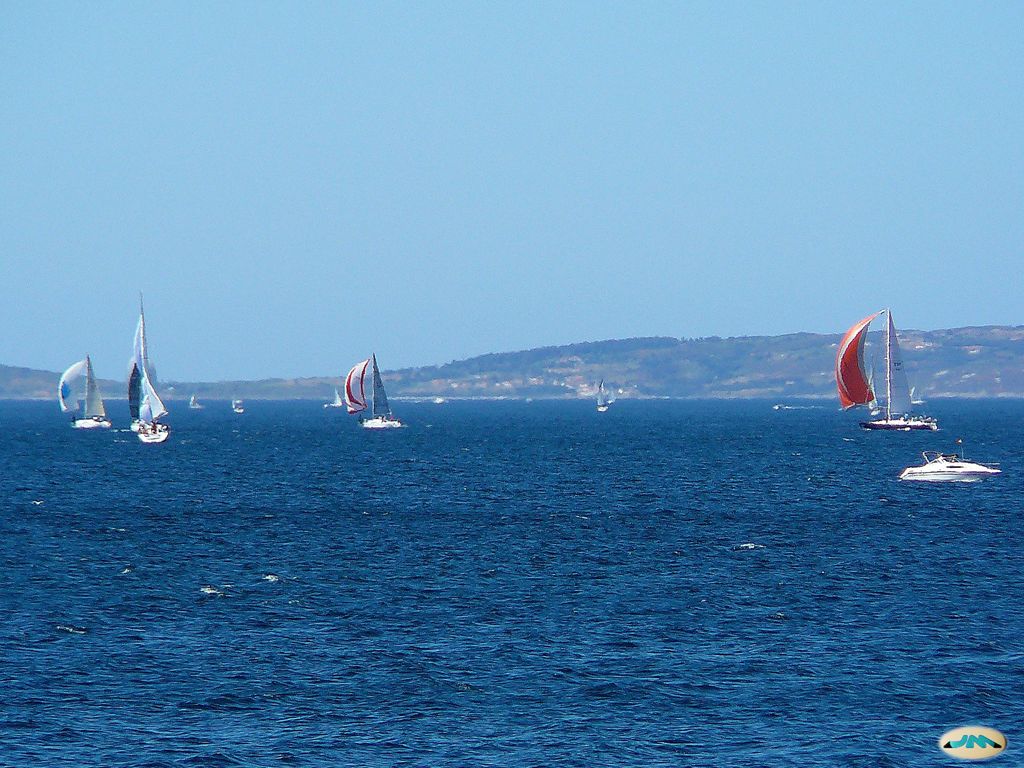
(192, 402)
(851, 379)
(898, 388)
(93, 401)
(380, 398)
(151, 407)
(355, 390)
(602, 397)
(139, 355)
(67, 385)
(338, 402)
(134, 391)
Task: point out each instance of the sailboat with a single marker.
(237, 406)
(602, 398)
(194, 404)
(144, 404)
(94, 415)
(355, 396)
(337, 402)
(856, 387)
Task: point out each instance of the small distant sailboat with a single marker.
(194, 404)
(337, 402)
(144, 403)
(94, 415)
(856, 387)
(602, 398)
(237, 406)
(355, 396)
(439, 400)
(151, 410)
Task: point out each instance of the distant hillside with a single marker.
(974, 362)
(29, 383)
(985, 361)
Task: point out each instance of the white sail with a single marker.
(355, 389)
(380, 397)
(602, 396)
(151, 406)
(139, 345)
(67, 386)
(897, 390)
(338, 402)
(93, 401)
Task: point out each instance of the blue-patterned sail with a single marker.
(67, 387)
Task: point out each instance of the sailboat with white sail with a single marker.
(144, 404)
(337, 402)
(602, 398)
(194, 404)
(857, 387)
(237, 405)
(93, 414)
(357, 402)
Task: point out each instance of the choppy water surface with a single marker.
(506, 584)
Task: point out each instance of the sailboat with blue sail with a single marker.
(79, 379)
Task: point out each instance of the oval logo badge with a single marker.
(972, 742)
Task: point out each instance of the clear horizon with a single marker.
(293, 189)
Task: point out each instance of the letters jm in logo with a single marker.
(973, 742)
(970, 741)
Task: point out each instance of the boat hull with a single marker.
(900, 425)
(91, 423)
(602, 408)
(381, 422)
(157, 433)
(964, 474)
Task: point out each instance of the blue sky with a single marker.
(295, 185)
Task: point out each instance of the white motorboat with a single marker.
(144, 403)
(94, 415)
(337, 402)
(948, 467)
(356, 400)
(856, 386)
(237, 406)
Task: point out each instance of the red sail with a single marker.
(851, 379)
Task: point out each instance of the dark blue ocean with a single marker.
(506, 584)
